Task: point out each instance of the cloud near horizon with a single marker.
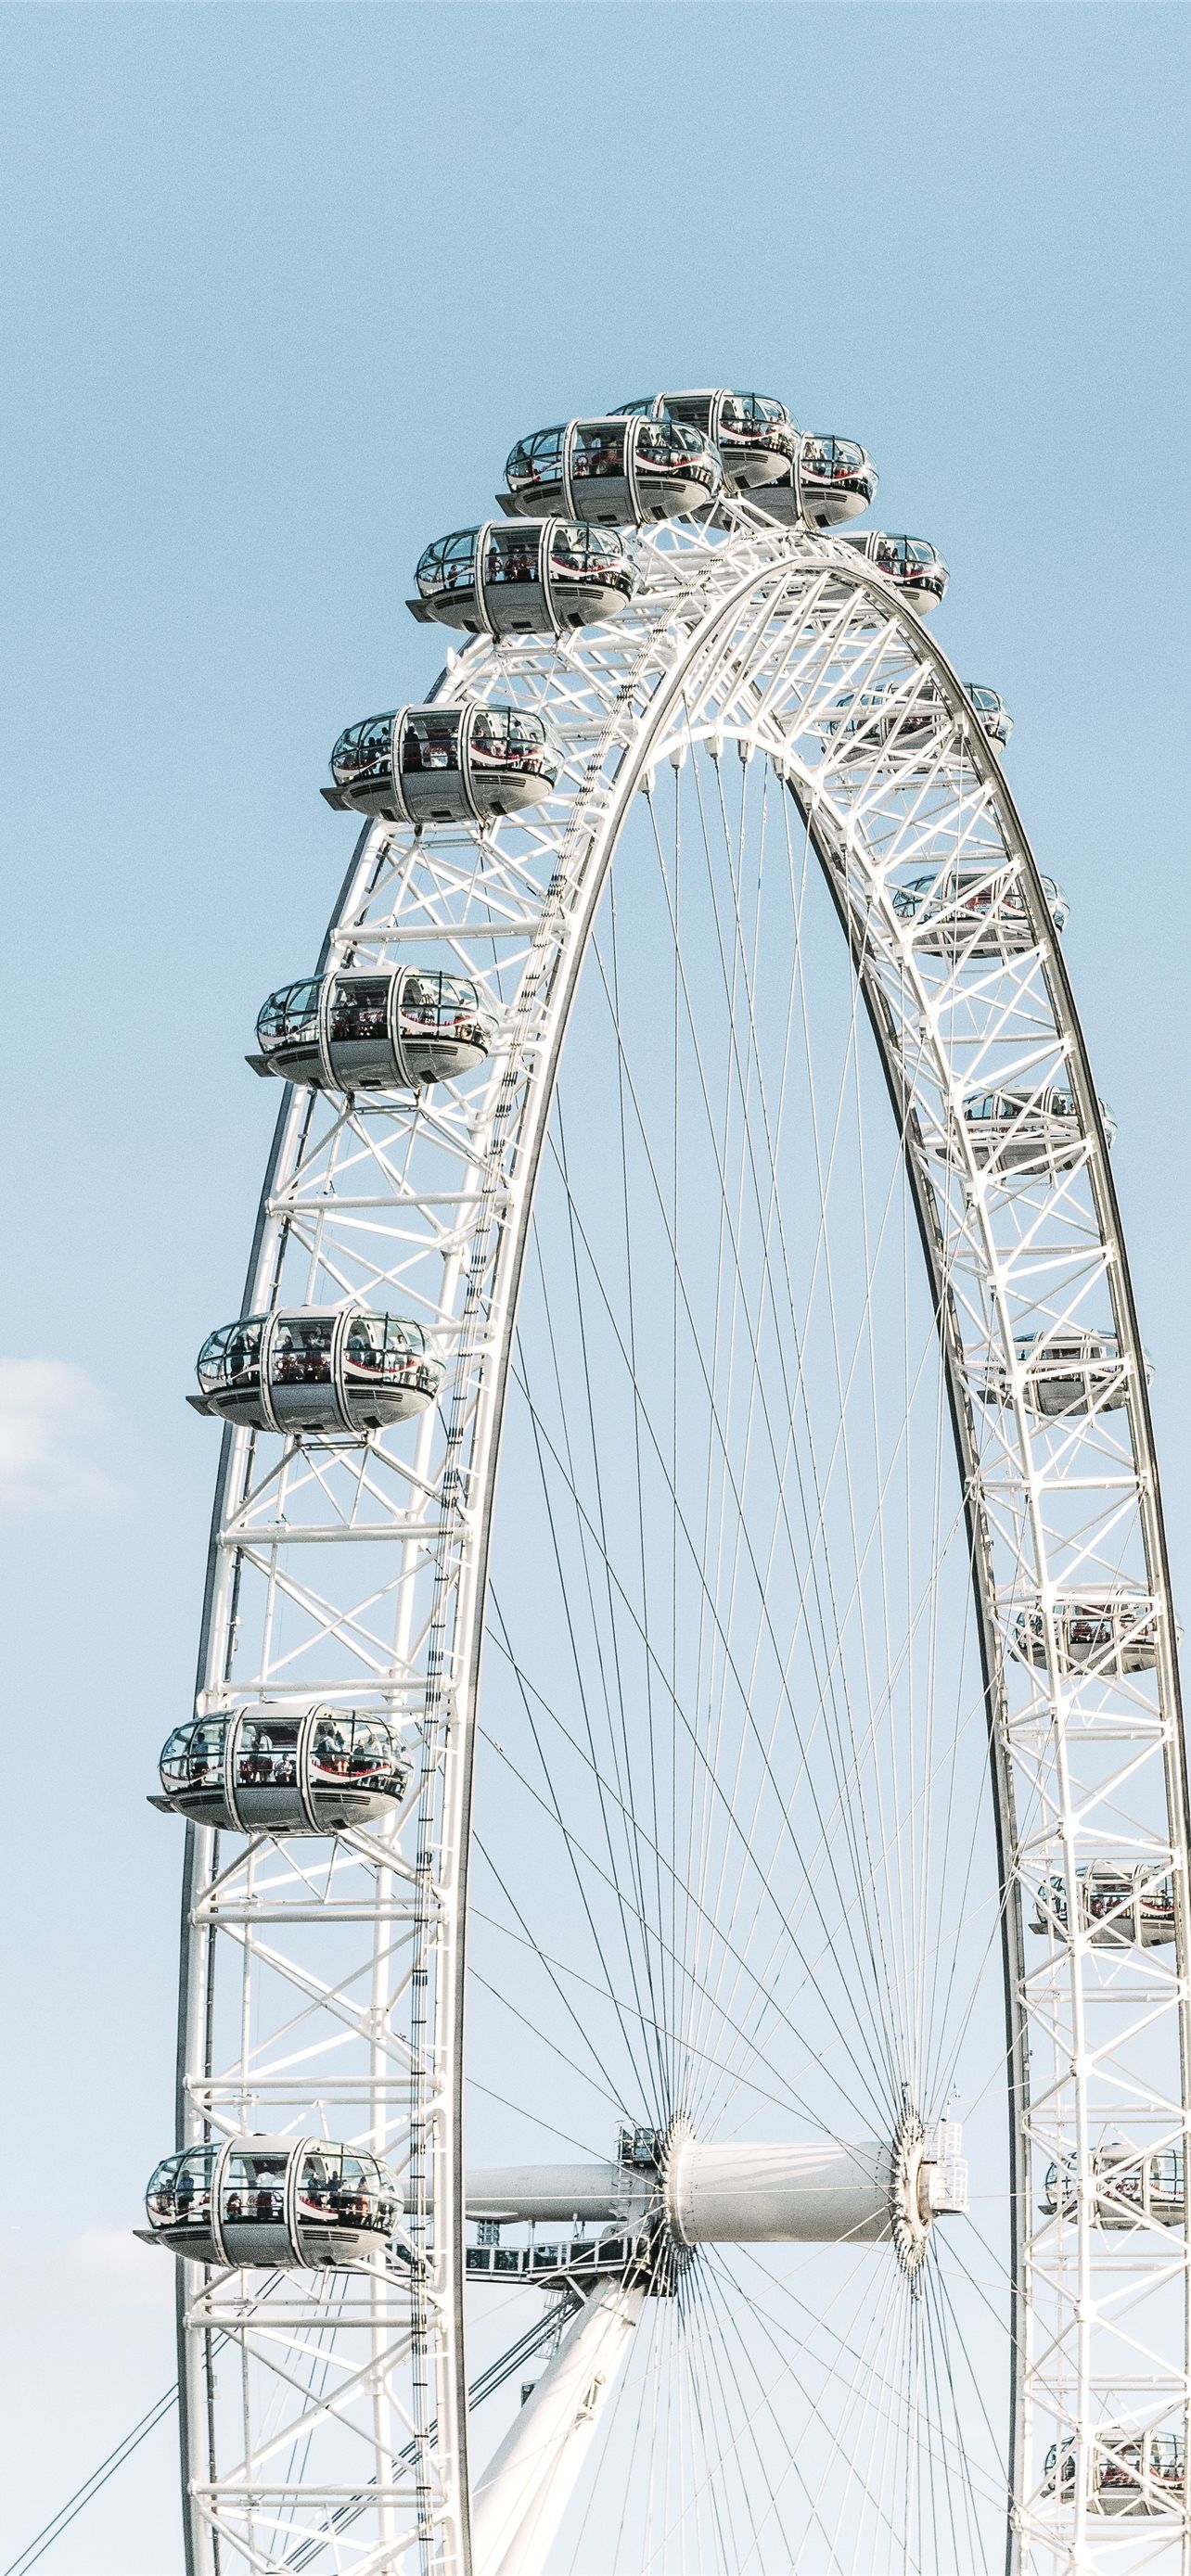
(56, 1435)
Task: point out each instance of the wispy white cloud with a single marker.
(56, 1433)
(111, 2265)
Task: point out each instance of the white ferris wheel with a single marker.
(687, 1576)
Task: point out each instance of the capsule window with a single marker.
(231, 1357)
(351, 1748)
(511, 555)
(449, 564)
(266, 1755)
(537, 459)
(359, 1009)
(289, 1014)
(598, 450)
(363, 748)
(430, 740)
(252, 2191)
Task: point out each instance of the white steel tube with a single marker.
(520, 2502)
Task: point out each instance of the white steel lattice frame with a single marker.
(322, 1983)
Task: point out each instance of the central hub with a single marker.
(928, 2180)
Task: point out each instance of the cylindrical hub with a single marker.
(823, 2191)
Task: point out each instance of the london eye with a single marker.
(683, 2055)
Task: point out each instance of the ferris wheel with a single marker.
(687, 1575)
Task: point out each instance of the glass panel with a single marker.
(364, 747)
(302, 1351)
(266, 1755)
(290, 1014)
(193, 1756)
(382, 1347)
(449, 563)
(598, 449)
(537, 459)
(430, 739)
(179, 2193)
(693, 409)
(253, 2188)
(354, 1748)
(511, 554)
(231, 1357)
(360, 1007)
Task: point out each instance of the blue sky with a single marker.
(281, 286)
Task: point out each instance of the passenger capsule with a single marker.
(991, 711)
(1065, 1374)
(1028, 1132)
(978, 910)
(540, 580)
(443, 764)
(917, 722)
(617, 471)
(268, 2203)
(284, 1771)
(912, 563)
(320, 1370)
(1105, 1635)
(827, 481)
(1125, 2471)
(1131, 2188)
(373, 1028)
(1119, 1905)
(753, 434)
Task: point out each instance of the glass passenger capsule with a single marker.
(318, 1370)
(753, 434)
(974, 911)
(617, 471)
(284, 1770)
(1121, 1905)
(916, 723)
(298, 2204)
(992, 712)
(1065, 1374)
(1130, 2186)
(1105, 1635)
(502, 580)
(443, 764)
(827, 481)
(373, 1028)
(913, 563)
(1026, 1132)
(1126, 2472)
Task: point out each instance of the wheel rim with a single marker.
(739, 637)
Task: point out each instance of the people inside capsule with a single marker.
(404, 1026)
(317, 1371)
(277, 2202)
(1116, 1634)
(1115, 1904)
(505, 580)
(442, 764)
(753, 433)
(617, 469)
(838, 479)
(1128, 2472)
(977, 909)
(913, 563)
(281, 1770)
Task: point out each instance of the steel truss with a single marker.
(322, 1982)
